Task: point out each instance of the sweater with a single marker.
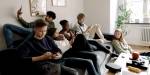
(121, 47)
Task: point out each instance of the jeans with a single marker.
(68, 71)
(85, 55)
(9, 30)
(80, 62)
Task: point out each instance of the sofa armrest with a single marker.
(108, 37)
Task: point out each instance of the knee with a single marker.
(74, 72)
(6, 26)
(88, 62)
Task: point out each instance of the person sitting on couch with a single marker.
(119, 43)
(69, 35)
(89, 31)
(41, 50)
(79, 49)
(10, 29)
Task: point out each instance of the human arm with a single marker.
(26, 54)
(118, 47)
(127, 46)
(22, 21)
(57, 55)
(45, 56)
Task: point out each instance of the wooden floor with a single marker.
(140, 48)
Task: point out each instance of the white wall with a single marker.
(113, 15)
(101, 12)
(135, 34)
(9, 7)
(97, 12)
(69, 12)
(8, 14)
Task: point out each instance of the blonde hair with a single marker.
(121, 37)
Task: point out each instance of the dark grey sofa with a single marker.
(12, 65)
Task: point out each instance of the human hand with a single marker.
(19, 13)
(56, 56)
(47, 55)
(60, 37)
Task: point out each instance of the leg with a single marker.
(9, 29)
(68, 71)
(84, 55)
(95, 29)
(91, 56)
(99, 46)
(80, 62)
(98, 32)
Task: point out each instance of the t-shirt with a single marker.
(64, 45)
(80, 29)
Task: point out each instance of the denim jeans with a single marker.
(9, 30)
(68, 71)
(80, 62)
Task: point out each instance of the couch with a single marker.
(12, 65)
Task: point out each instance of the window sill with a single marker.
(137, 23)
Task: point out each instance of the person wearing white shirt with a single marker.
(88, 31)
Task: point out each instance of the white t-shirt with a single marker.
(64, 45)
(78, 28)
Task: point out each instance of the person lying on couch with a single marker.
(64, 45)
(81, 48)
(26, 29)
(41, 50)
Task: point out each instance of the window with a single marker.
(140, 10)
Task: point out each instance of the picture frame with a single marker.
(59, 3)
(38, 7)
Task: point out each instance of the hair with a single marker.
(40, 23)
(63, 22)
(121, 37)
(51, 14)
(51, 31)
(80, 16)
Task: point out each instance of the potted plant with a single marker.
(123, 17)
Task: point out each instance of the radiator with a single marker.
(145, 32)
(138, 35)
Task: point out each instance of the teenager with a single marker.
(89, 31)
(69, 35)
(41, 51)
(9, 29)
(119, 43)
(81, 58)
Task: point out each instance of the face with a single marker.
(40, 32)
(66, 27)
(48, 19)
(117, 34)
(81, 20)
(56, 34)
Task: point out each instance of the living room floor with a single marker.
(140, 48)
(136, 48)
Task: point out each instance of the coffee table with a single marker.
(122, 60)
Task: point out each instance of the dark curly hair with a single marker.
(51, 14)
(63, 22)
